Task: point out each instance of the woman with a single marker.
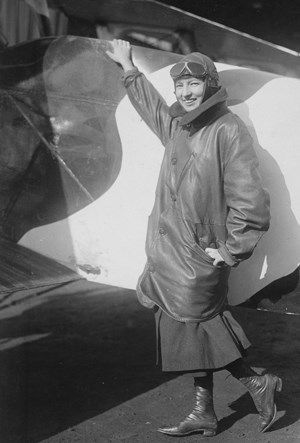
(209, 213)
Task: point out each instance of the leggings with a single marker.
(238, 369)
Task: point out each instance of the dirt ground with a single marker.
(77, 364)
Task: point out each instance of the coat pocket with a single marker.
(205, 236)
(201, 252)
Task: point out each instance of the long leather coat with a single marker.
(209, 194)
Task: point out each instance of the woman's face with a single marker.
(189, 92)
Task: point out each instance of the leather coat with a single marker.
(209, 194)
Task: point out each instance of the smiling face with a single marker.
(189, 92)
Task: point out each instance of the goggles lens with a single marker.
(188, 68)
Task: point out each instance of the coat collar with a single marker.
(213, 103)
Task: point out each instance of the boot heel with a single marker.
(209, 432)
(278, 384)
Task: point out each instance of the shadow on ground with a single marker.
(79, 353)
(85, 348)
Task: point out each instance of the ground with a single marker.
(77, 364)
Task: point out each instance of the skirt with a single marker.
(193, 346)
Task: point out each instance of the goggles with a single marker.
(188, 68)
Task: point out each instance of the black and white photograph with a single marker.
(149, 221)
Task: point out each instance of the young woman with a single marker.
(209, 213)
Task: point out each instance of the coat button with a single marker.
(173, 197)
(162, 231)
(174, 161)
(151, 268)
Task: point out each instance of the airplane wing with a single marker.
(148, 20)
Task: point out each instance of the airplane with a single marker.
(64, 146)
(79, 168)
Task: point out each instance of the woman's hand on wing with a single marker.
(121, 53)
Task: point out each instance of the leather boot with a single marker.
(262, 389)
(201, 419)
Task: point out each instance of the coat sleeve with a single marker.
(248, 202)
(149, 103)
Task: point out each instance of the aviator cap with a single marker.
(196, 65)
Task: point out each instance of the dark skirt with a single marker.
(194, 346)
